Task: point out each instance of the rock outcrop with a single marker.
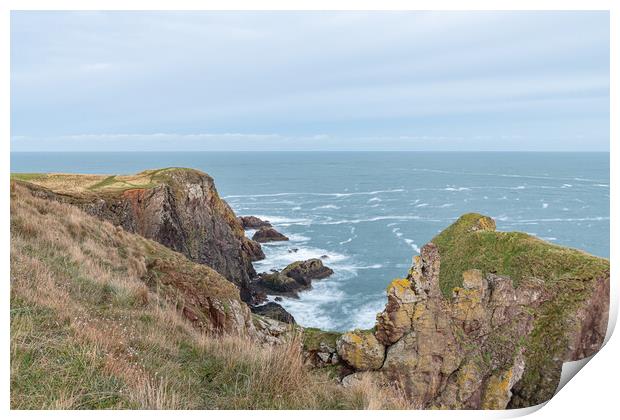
(252, 222)
(268, 234)
(484, 319)
(274, 311)
(320, 348)
(294, 278)
(179, 208)
(304, 272)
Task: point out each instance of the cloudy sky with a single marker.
(310, 81)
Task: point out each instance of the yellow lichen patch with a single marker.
(497, 392)
(469, 378)
(398, 286)
(485, 223)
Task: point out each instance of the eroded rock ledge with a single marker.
(518, 308)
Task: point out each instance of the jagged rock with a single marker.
(320, 347)
(270, 331)
(395, 320)
(268, 234)
(274, 311)
(252, 249)
(278, 283)
(361, 350)
(294, 278)
(305, 271)
(484, 319)
(252, 222)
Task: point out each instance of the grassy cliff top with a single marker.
(473, 243)
(96, 322)
(86, 183)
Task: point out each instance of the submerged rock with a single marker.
(268, 234)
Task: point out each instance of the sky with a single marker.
(163, 81)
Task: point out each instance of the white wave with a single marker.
(365, 316)
(456, 189)
(313, 307)
(566, 186)
(281, 256)
(582, 219)
(282, 220)
(520, 187)
(374, 200)
(327, 206)
(346, 241)
(413, 245)
(422, 205)
(443, 206)
(370, 219)
(345, 194)
(293, 237)
(545, 205)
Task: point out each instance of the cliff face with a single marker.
(484, 319)
(179, 208)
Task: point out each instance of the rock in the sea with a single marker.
(306, 271)
(253, 222)
(361, 350)
(293, 278)
(274, 311)
(278, 283)
(268, 234)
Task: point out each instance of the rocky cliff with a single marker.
(484, 319)
(179, 208)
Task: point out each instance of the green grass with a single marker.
(87, 332)
(28, 176)
(513, 254)
(313, 337)
(49, 369)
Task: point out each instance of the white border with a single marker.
(592, 394)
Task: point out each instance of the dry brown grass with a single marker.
(86, 332)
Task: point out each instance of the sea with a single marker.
(368, 213)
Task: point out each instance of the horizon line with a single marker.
(311, 151)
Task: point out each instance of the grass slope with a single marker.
(86, 183)
(87, 333)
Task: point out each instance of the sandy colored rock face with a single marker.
(395, 320)
(361, 350)
(470, 350)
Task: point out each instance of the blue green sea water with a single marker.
(370, 212)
